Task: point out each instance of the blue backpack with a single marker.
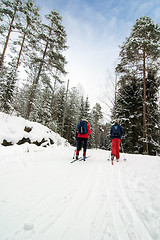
(116, 131)
(82, 127)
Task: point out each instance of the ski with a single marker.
(83, 158)
(79, 159)
(113, 161)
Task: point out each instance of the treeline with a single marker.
(37, 47)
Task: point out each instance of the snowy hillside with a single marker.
(43, 196)
(16, 130)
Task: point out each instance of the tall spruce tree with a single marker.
(53, 38)
(8, 79)
(28, 31)
(104, 139)
(87, 109)
(9, 13)
(152, 112)
(12, 13)
(129, 111)
(138, 56)
(8, 10)
(72, 115)
(57, 115)
(21, 98)
(81, 107)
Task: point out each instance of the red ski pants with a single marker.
(115, 147)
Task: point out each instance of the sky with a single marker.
(95, 30)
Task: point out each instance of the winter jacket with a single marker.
(121, 131)
(86, 135)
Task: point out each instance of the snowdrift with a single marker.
(17, 130)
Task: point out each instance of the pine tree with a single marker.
(82, 108)
(152, 85)
(87, 109)
(97, 116)
(54, 39)
(104, 139)
(129, 111)
(8, 79)
(21, 98)
(72, 115)
(28, 31)
(9, 10)
(14, 11)
(139, 55)
(59, 109)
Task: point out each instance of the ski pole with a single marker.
(74, 155)
(123, 152)
(109, 155)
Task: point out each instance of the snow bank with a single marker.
(17, 130)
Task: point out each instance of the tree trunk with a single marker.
(145, 144)
(21, 47)
(115, 99)
(53, 99)
(64, 114)
(33, 90)
(9, 32)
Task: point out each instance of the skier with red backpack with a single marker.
(83, 131)
(116, 134)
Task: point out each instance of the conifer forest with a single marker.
(33, 46)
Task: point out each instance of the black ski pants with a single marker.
(81, 141)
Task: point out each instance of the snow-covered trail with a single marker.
(45, 197)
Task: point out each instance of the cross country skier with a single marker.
(116, 134)
(83, 130)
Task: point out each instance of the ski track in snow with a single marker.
(45, 197)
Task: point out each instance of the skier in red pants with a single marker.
(116, 134)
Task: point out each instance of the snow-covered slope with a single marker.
(43, 196)
(12, 130)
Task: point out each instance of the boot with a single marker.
(112, 158)
(77, 154)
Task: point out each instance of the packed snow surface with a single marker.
(43, 196)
